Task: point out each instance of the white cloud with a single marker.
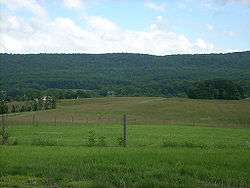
(30, 5)
(75, 4)
(203, 46)
(101, 35)
(155, 6)
(100, 23)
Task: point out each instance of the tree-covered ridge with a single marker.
(121, 74)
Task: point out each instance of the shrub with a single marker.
(3, 107)
(42, 141)
(120, 141)
(13, 141)
(4, 136)
(102, 141)
(167, 142)
(170, 142)
(91, 139)
(13, 109)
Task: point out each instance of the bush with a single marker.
(102, 141)
(13, 109)
(166, 142)
(42, 141)
(13, 141)
(4, 136)
(3, 107)
(170, 142)
(120, 141)
(91, 139)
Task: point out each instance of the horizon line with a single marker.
(82, 53)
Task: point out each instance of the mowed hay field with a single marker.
(171, 143)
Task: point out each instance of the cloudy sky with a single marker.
(157, 27)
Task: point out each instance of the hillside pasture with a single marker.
(171, 143)
(143, 111)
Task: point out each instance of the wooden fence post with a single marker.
(125, 131)
(55, 120)
(2, 120)
(37, 120)
(4, 131)
(33, 119)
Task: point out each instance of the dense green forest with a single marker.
(216, 89)
(118, 74)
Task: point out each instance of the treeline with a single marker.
(44, 103)
(14, 94)
(24, 76)
(216, 89)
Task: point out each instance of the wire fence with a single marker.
(93, 130)
(54, 118)
(97, 119)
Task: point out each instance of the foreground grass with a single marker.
(157, 156)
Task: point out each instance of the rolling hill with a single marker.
(123, 74)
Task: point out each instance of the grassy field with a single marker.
(171, 143)
(144, 111)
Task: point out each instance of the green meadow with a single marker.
(171, 143)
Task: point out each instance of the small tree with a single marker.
(34, 105)
(53, 103)
(3, 107)
(13, 108)
(28, 107)
(39, 104)
(23, 108)
(46, 103)
(4, 133)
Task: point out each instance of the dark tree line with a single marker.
(31, 94)
(216, 89)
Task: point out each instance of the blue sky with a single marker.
(157, 27)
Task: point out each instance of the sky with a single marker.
(158, 27)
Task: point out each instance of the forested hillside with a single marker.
(120, 74)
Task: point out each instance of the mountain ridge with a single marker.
(125, 74)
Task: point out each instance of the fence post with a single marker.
(37, 120)
(2, 120)
(33, 119)
(99, 121)
(55, 120)
(125, 131)
(4, 131)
